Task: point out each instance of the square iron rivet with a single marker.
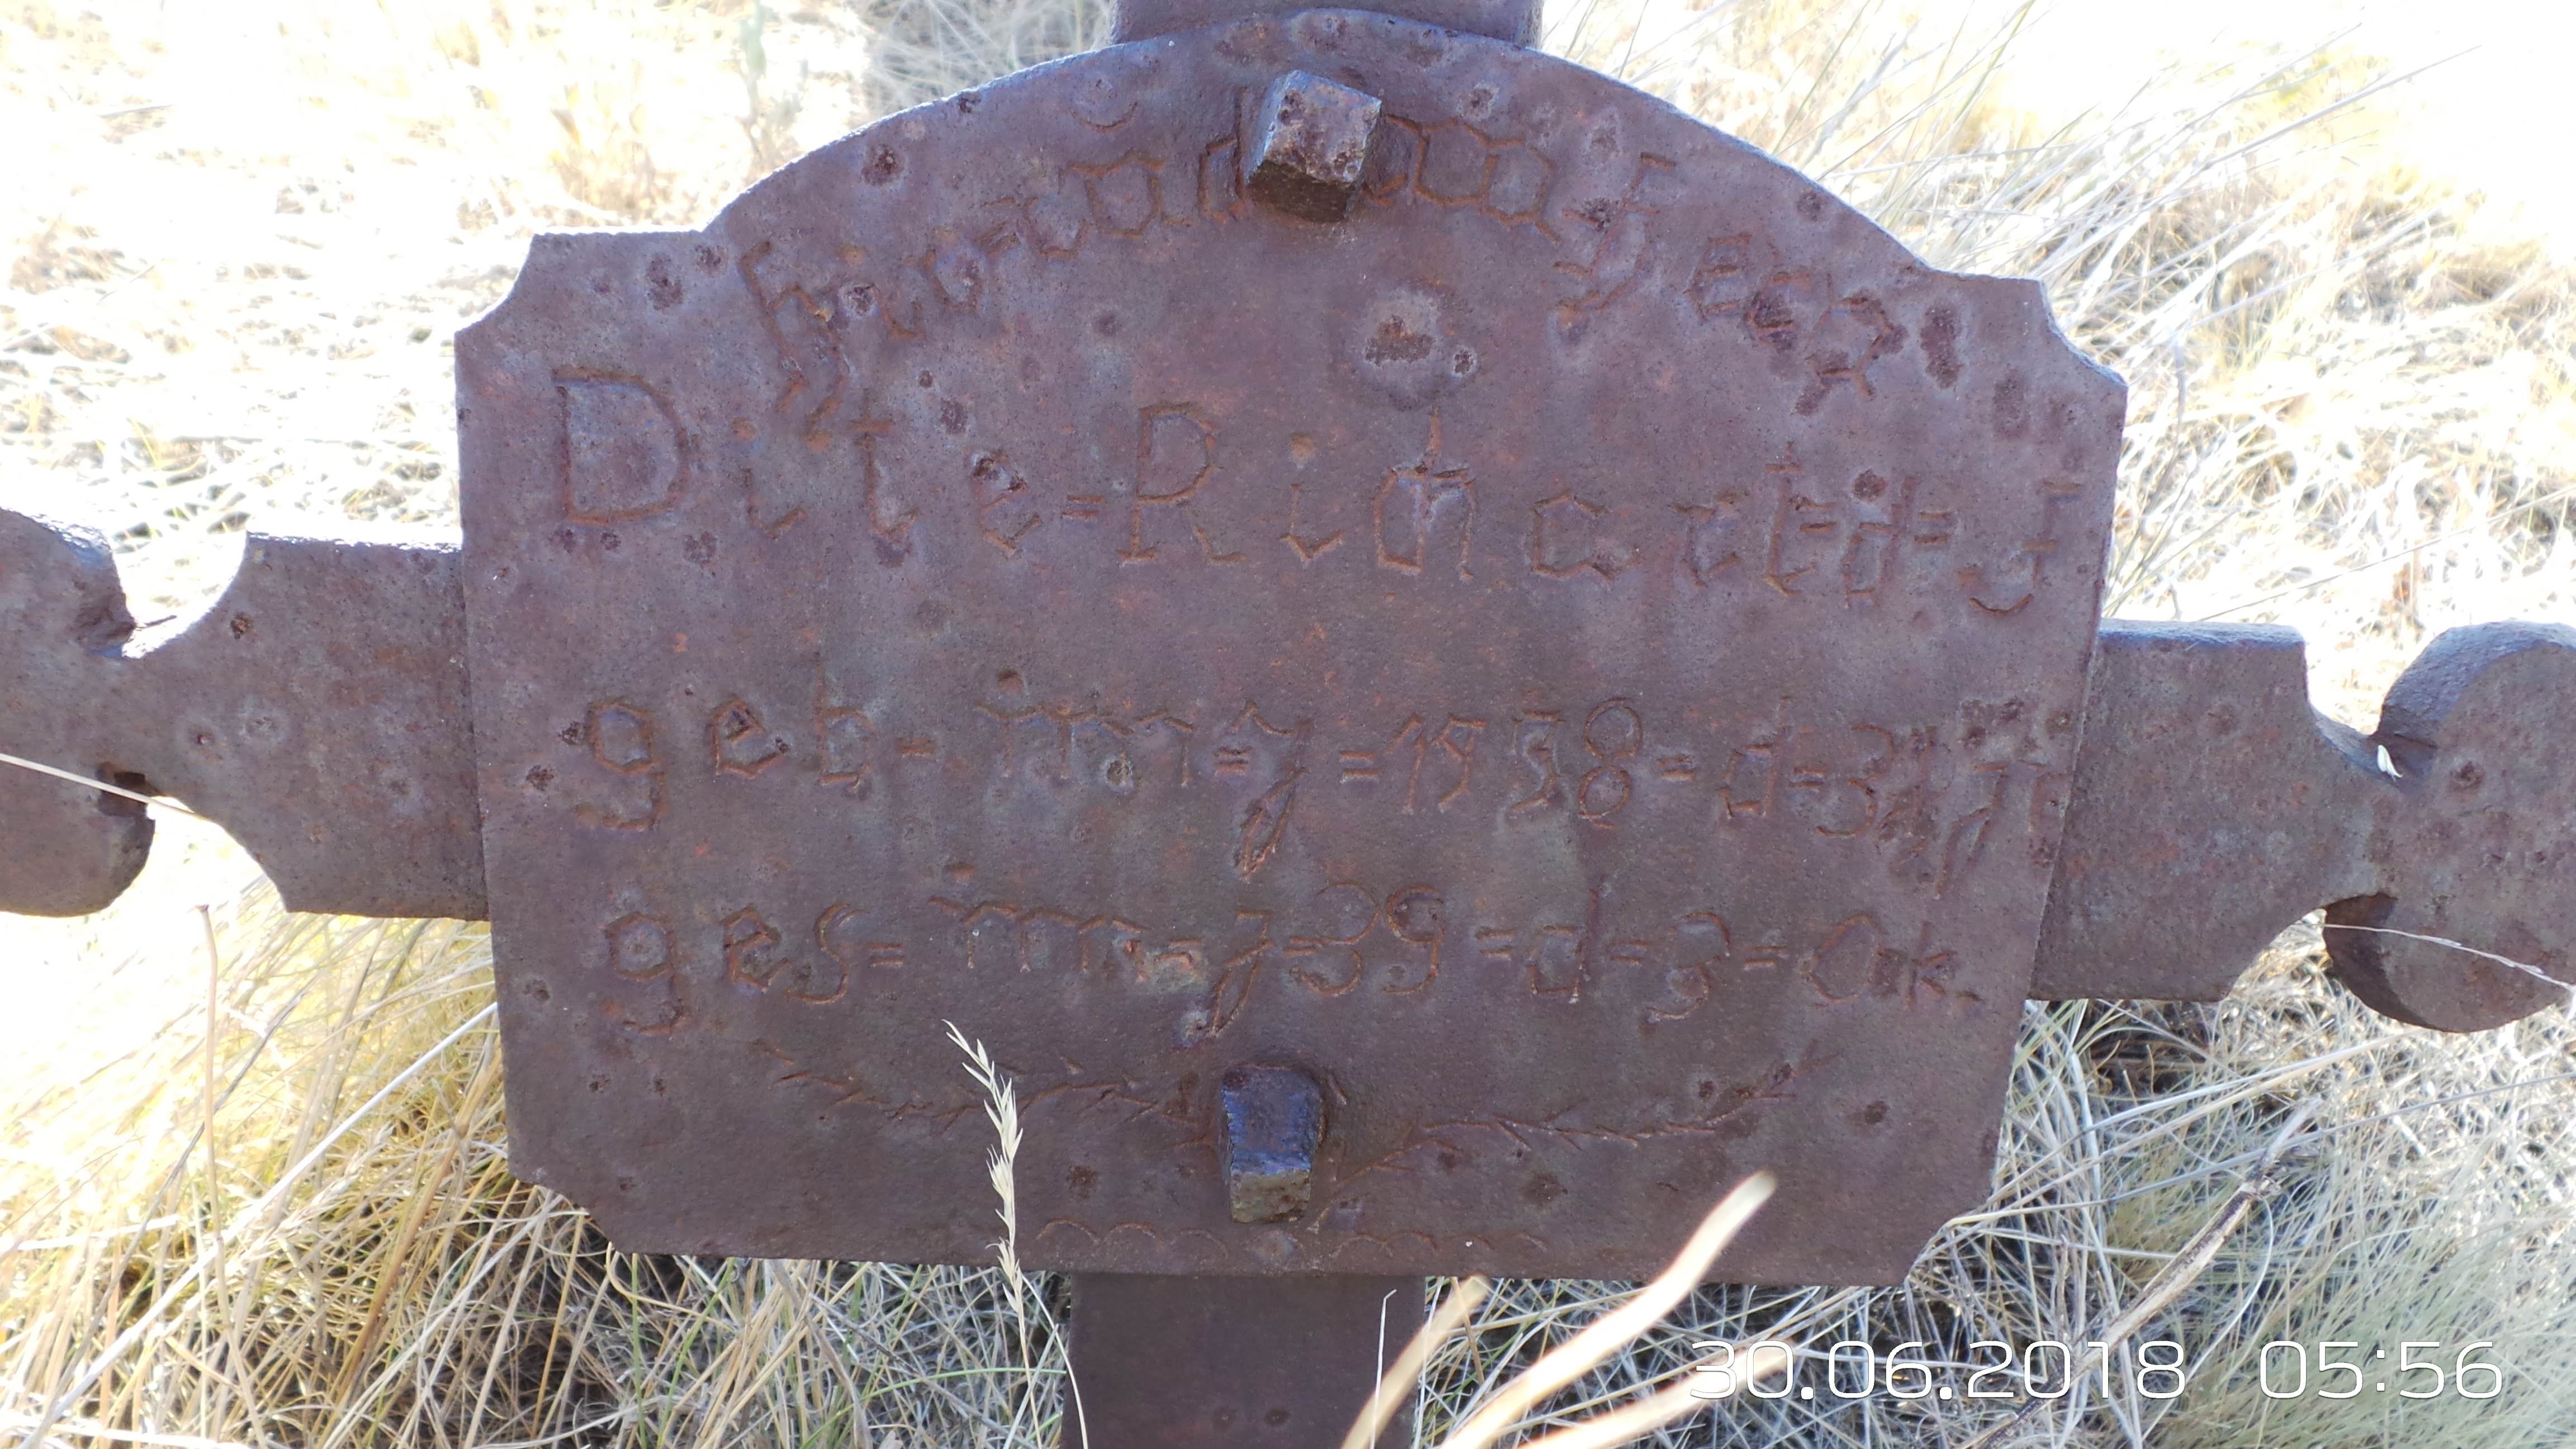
(1312, 147)
(1274, 1118)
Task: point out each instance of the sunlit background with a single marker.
(2332, 245)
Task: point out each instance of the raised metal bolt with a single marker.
(1312, 147)
(1274, 1117)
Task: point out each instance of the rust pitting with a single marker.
(2213, 806)
(1311, 147)
(1419, 688)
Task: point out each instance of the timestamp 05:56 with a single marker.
(2047, 1369)
(2342, 1371)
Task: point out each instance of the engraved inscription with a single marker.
(739, 742)
(847, 740)
(622, 455)
(639, 951)
(1928, 798)
(1415, 499)
(1452, 164)
(2028, 569)
(1624, 249)
(620, 741)
(1615, 734)
(748, 945)
(1604, 594)
(1857, 538)
(1456, 740)
(845, 935)
(1005, 509)
(1855, 333)
(1534, 742)
(1344, 940)
(1283, 752)
(1308, 546)
(1565, 539)
(1175, 461)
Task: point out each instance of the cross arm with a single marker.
(2212, 806)
(316, 710)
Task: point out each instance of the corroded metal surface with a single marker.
(2213, 807)
(2481, 845)
(1582, 658)
(1441, 659)
(1279, 1363)
(1274, 1121)
(317, 710)
(1309, 147)
(1516, 21)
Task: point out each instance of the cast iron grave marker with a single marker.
(1443, 660)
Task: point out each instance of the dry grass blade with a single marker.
(2177, 1278)
(1634, 1421)
(1614, 1331)
(173, 1297)
(1002, 1110)
(1401, 1378)
(1628, 1423)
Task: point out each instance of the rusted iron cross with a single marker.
(1443, 659)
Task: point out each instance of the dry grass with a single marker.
(237, 245)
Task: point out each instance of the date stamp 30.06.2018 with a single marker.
(2046, 1369)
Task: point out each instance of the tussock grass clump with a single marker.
(282, 1213)
(330, 1249)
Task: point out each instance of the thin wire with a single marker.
(2526, 969)
(159, 801)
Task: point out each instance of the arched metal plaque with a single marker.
(1580, 658)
